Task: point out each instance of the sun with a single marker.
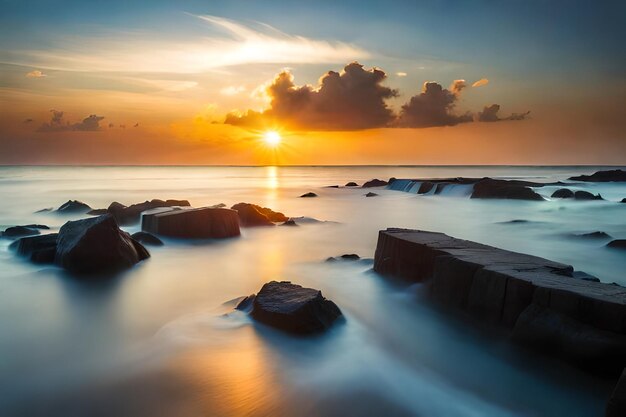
(272, 138)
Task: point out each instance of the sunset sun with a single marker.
(272, 138)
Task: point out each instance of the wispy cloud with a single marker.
(481, 82)
(239, 44)
(35, 74)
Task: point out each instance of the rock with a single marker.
(425, 187)
(374, 183)
(39, 249)
(614, 175)
(97, 245)
(292, 308)
(616, 406)
(351, 184)
(309, 194)
(45, 210)
(490, 188)
(253, 215)
(586, 195)
(73, 206)
(332, 186)
(540, 302)
(98, 212)
(623, 200)
(617, 244)
(201, 223)
(585, 276)
(350, 257)
(146, 238)
(290, 222)
(563, 193)
(594, 235)
(26, 230)
(132, 213)
(331, 259)
(370, 194)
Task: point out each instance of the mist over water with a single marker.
(163, 339)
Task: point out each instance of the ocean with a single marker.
(162, 338)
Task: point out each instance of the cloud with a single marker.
(457, 86)
(226, 43)
(352, 99)
(57, 123)
(232, 90)
(433, 107)
(490, 114)
(36, 74)
(481, 82)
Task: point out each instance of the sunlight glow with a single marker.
(272, 138)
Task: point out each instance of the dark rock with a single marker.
(594, 235)
(332, 186)
(586, 195)
(350, 257)
(616, 406)
(490, 188)
(39, 249)
(200, 223)
(309, 194)
(516, 221)
(623, 200)
(132, 213)
(585, 276)
(246, 303)
(539, 301)
(73, 206)
(563, 193)
(370, 194)
(290, 222)
(253, 215)
(97, 245)
(614, 175)
(146, 238)
(425, 187)
(617, 244)
(26, 230)
(45, 210)
(331, 259)
(98, 212)
(352, 184)
(374, 183)
(292, 308)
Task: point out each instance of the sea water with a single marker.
(162, 339)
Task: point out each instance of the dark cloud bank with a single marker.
(58, 124)
(356, 99)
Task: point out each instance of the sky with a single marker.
(352, 82)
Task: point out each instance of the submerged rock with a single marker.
(291, 308)
(73, 206)
(374, 183)
(586, 195)
(199, 223)
(425, 187)
(309, 194)
(25, 230)
(614, 175)
(490, 188)
(254, 215)
(617, 244)
(97, 245)
(594, 235)
(290, 222)
(563, 193)
(38, 249)
(351, 184)
(344, 257)
(623, 200)
(146, 238)
(370, 194)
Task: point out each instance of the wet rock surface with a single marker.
(198, 223)
(541, 302)
(38, 249)
(291, 308)
(374, 183)
(251, 215)
(614, 175)
(96, 245)
(146, 238)
(73, 206)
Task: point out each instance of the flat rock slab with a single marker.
(291, 308)
(199, 223)
(497, 286)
